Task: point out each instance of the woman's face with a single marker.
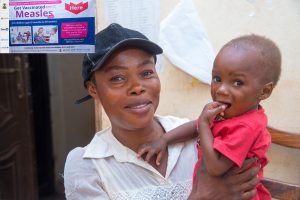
(128, 88)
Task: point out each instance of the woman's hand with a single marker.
(236, 184)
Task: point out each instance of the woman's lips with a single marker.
(139, 107)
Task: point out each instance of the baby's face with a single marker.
(235, 81)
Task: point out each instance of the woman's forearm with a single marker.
(235, 185)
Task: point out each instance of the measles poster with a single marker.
(52, 26)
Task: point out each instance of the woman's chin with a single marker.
(140, 121)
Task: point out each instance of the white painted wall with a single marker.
(224, 20)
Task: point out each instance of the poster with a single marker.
(140, 15)
(52, 26)
(4, 26)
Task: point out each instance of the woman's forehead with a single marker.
(127, 57)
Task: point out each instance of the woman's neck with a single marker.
(136, 137)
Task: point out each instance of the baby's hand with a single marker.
(157, 147)
(211, 110)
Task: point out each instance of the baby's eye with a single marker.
(238, 83)
(216, 79)
(147, 73)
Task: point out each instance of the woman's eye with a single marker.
(238, 83)
(216, 79)
(117, 78)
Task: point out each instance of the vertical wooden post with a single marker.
(99, 18)
(98, 116)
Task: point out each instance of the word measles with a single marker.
(32, 11)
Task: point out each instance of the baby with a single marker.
(233, 126)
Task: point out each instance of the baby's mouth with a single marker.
(228, 105)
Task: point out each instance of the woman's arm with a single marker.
(236, 184)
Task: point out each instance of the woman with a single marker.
(122, 76)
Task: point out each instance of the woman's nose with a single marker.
(136, 87)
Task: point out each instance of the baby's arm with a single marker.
(216, 163)
(180, 134)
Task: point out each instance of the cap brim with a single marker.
(146, 45)
(83, 99)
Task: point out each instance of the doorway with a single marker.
(26, 153)
(39, 82)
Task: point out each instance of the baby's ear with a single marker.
(266, 91)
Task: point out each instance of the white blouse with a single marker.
(105, 169)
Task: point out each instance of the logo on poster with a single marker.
(4, 6)
(76, 8)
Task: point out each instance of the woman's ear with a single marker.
(91, 88)
(266, 91)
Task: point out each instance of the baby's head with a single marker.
(245, 71)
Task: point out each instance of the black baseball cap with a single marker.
(109, 40)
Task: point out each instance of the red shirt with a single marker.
(243, 137)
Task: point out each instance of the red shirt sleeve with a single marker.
(235, 142)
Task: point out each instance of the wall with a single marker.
(72, 125)
(278, 20)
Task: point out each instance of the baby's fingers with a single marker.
(158, 158)
(219, 109)
(142, 151)
(149, 155)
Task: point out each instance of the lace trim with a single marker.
(175, 191)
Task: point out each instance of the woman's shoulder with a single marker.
(81, 180)
(75, 158)
(170, 122)
(76, 154)
(76, 166)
